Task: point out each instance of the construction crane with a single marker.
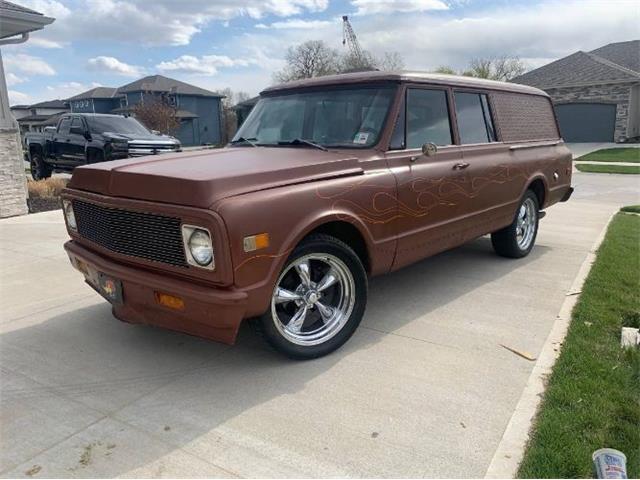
(350, 40)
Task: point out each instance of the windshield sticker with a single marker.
(361, 138)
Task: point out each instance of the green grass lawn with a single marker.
(593, 396)
(631, 209)
(596, 168)
(629, 155)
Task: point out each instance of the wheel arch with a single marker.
(538, 185)
(348, 233)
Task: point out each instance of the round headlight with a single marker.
(200, 247)
(68, 213)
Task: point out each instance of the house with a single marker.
(596, 93)
(16, 23)
(33, 118)
(197, 109)
(243, 109)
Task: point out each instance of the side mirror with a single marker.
(156, 132)
(429, 149)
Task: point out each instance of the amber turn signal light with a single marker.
(170, 301)
(256, 242)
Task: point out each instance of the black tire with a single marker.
(95, 156)
(317, 245)
(39, 169)
(506, 242)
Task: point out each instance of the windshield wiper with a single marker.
(244, 140)
(302, 141)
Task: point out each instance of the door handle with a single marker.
(460, 166)
(68, 140)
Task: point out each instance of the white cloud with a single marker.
(162, 22)
(296, 24)
(371, 7)
(205, 65)
(20, 62)
(13, 79)
(67, 89)
(113, 65)
(19, 98)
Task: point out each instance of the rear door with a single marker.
(60, 140)
(430, 202)
(75, 149)
(488, 167)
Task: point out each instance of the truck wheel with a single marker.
(39, 169)
(516, 240)
(318, 301)
(95, 156)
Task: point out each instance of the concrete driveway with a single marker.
(423, 389)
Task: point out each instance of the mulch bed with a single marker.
(39, 204)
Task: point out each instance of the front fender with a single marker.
(289, 214)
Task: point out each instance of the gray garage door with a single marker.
(587, 122)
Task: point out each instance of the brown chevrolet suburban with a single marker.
(329, 181)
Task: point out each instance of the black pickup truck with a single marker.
(81, 138)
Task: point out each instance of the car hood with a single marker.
(132, 136)
(203, 177)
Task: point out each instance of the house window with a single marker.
(427, 118)
(474, 118)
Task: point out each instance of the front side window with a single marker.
(77, 123)
(64, 125)
(350, 118)
(474, 118)
(427, 118)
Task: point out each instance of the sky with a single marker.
(239, 44)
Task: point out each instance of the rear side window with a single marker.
(76, 122)
(64, 125)
(474, 118)
(427, 118)
(524, 117)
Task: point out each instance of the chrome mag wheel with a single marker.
(313, 299)
(526, 223)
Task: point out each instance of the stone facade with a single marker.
(617, 93)
(13, 182)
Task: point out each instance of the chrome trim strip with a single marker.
(535, 145)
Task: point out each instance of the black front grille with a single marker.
(144, 235)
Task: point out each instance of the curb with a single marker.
(510, 451)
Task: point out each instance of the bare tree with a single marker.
(390, 61)
(496, 68)
(157, 115)
(313, 58)
(446, 70)
(354, 63)
(229, 118)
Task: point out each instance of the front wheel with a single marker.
(517, 240)
(318, 300)
(39, 169)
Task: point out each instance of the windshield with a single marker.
(331, 118)
(125, 125)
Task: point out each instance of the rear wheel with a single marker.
(517, 240)
(318, 300)
(39, 169)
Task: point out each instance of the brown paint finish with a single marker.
(403, 205)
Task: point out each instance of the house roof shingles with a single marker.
(159, 83)
(97, 92)
(587, 68)
(50, 104)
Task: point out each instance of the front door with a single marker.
(431, 200)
